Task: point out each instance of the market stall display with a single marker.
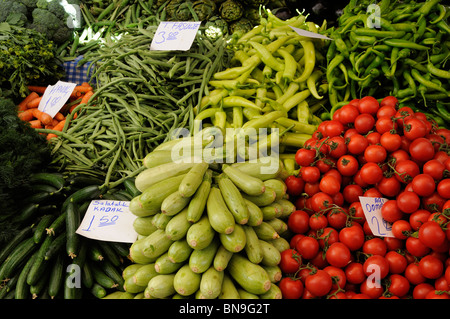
(241, 159)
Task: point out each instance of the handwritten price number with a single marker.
(103, 221)
(170, 36)
(51, 102)
(385, 224)
(372, 210)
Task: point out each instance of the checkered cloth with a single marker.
(76, 74)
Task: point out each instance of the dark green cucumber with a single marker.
(80, 260)
(84, 194)
(38, 198)
(22, 288)
(109, 253)
(130, 187)
(54, 179)
(39, 286)
(56, 246)
(82, 180)
(112, 272)
(95, 253)
(71, 291)
(56, 279)
(40, 263)
(39, 188)
(17, 257)
(121, 249)
(27, 213)
(16, 240)
(57, 225)
(72, 223)
(87, 278)
(8, 290)
(40, 229)
(102, 278)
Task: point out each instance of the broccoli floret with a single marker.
(55, 28)
(42, 4)
(38, 27)
(62, 34)
(11, 10)
(57, 9)
(45, 17)
(28, 3)
(54, 6)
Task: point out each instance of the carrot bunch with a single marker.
(28, 108)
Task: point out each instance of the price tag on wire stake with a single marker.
(175, 35)
(108, 220)
(372, 211)
(55, 96)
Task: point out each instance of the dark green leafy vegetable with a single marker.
(22, 152)
(26, 57)
(50, 17)
(13, 12)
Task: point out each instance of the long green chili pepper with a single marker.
(438, 72)
(427, 83)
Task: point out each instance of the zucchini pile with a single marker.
(206, 229)
(46, 258)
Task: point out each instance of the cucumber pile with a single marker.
(206, 229)
(46, 258)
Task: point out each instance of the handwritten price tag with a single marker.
(372, 210)
(55, 96)
(173, 35)
(108, 220)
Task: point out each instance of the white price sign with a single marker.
(174, 35)
(108, 220)
(55, 96)
(309, 34)
(372, 210)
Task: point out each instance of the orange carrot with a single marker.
(42, 116)
(80, 90)
(59, 116)
(26, 115)
(73, 107)
(23, 104)
(34, 103)
(51, 135)
(37, 88)
(87, 96)
(86, 84)
(60, 125)
(57, 127)
(35, 123)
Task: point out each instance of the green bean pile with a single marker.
(140, 97)
(405, 56)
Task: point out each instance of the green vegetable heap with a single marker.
(27, 57)
(402, 52)
(49, 17)
(23, 152)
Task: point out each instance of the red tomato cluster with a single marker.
(373, 149)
